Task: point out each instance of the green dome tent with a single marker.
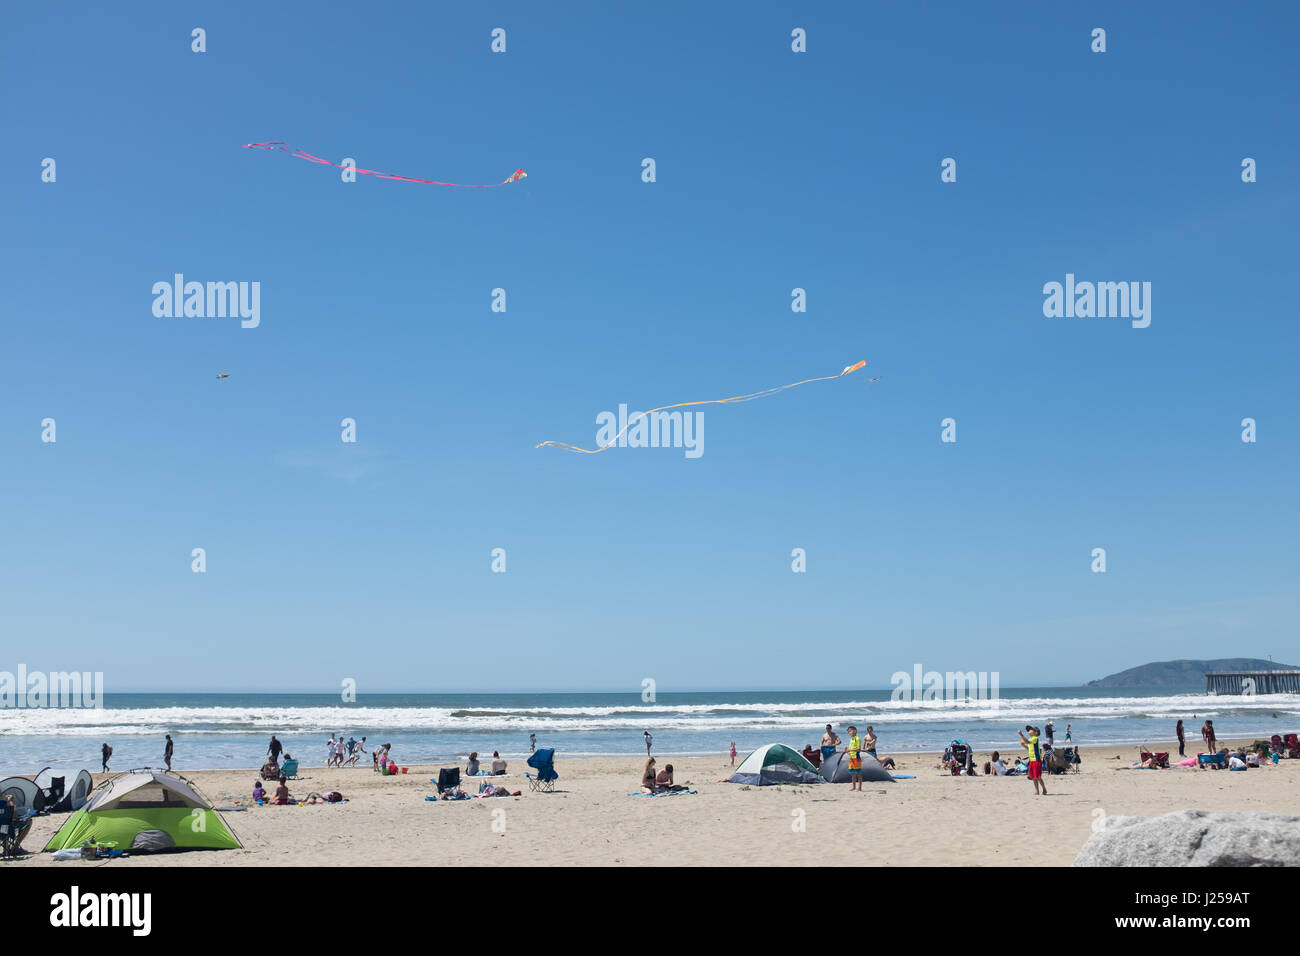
(146, 810)
(775, 763)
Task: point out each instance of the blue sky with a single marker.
(775, 170)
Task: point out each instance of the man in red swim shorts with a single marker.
(1035, 758)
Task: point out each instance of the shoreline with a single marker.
(1236, 741)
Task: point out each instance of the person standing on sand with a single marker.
(733, 753)
(1035, 758)
(167, 752)
(1207, 731)
(854, 751)
(1182, 738)
(532, 743)
(869, 742)
(830, 740)
(105, 752)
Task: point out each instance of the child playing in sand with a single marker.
(258, 793)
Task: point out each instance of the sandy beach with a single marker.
(591, 820)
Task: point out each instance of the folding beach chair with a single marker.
(1161, 759)
(1213, 761)
(543, 761)
(290, 769)
(448, 779)
(13, 827)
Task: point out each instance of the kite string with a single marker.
(637, 416)
(302, 154)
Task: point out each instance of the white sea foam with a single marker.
(146, 721)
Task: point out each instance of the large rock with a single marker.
(1195, 838)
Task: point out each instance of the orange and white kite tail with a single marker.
(734, 399)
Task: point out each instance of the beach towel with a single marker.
(903, 776)
(664, 793)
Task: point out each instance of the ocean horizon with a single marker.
(231, 730)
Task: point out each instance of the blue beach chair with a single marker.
(543, 761)
(290, 769)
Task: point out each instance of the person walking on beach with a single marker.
(830, 740)
(1067, 734)
(105, 752)
(339, 747)
(532, 743)
(733, 753)
(648, 740)
(275, 749)
(167, 752)
(1035, 758)
(854, 751)
(1182, 738)
(1207, 731)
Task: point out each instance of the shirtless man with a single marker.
(830, 740)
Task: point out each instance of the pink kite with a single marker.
(298, 153)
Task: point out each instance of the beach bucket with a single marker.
(404, 769)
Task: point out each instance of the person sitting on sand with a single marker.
(282, 797)
(471, 768)
(664, 781)
(998, 766)
(270, 770)
(498, 765)
(648, 780)
(258, 793)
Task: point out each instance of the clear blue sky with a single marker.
(775, 171)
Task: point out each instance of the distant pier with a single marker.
(1242, 683)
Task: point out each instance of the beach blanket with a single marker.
(903, 776)
(664, 793)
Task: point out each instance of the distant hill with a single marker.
(1183, 673)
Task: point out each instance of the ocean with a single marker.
(214, 731)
